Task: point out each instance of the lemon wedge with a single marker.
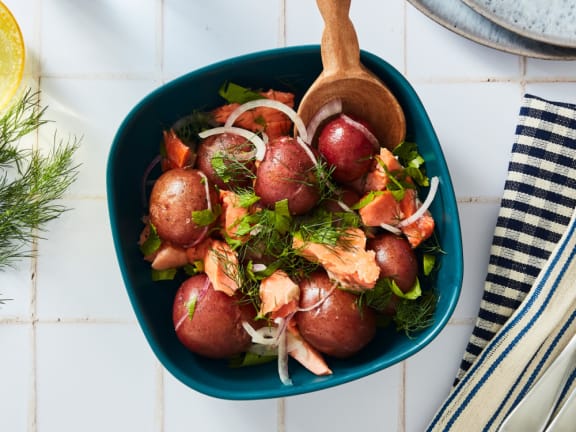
(12, 55)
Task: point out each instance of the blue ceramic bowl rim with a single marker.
(373, 366)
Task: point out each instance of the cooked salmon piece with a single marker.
(269, 120)
(303, 352)
(348, 262)
(169, 257)
(178, 154)
(383, 209)
(221, 267)
(232, 213)
(279, 295)
(423, 227)
(199, 251)
(377, 179)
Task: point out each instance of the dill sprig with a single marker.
(30, 183)
(413, 316)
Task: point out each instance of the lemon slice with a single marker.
(12, 55)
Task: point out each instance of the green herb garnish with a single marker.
(234, 93)
(31, 183)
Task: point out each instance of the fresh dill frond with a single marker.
(187, 128)
(413, 316)
(30, 183)
(232, 166)
(18, 121)
(326, 227)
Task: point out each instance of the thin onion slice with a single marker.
(308, 151)
(259, 267)
(328, 110)
(269, 103)
(427, 202)
(283, 352)
(319, 302)
(264, 336)
(258, 142)
(344, 206)
(365, 131)
(391, 228)
(147, 172)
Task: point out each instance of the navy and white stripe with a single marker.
(537, 203)
(519, 353)
(528, 310)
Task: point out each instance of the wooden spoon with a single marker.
(343, 77)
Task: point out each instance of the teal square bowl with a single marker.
(136, 144)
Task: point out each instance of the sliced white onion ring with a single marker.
(344, 207)
(259, 267)
(308, 151)
(427, 202)
(365, 131)
(283, 352)
(328, 110)
(258, 142)
(269, 103)
(263, 336)
(391, 228)
(319, 302)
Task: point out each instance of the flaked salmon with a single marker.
(279, 295)
(304, 353)
(232, 213)
(221, 267)
(377, 178)
(423, 227)
(348, 262)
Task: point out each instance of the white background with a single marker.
(72, 357)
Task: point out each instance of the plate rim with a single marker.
(519, 29)
(555, 53)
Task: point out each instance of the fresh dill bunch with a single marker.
(30, 183)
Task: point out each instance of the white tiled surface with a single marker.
(72, 356)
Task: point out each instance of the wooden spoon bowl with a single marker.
(343, 77)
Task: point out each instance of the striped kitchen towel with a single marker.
(528, 310)
(538, 200)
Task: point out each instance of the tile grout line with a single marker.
(282, 24)
(160, 398)
(33, 407)
(402, 398)
(405, 39)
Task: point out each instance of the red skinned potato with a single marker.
(346, 148)
(175, 196)
(287, 172)
(337, 327)
(209, 322)
(234, 152)
(396, 259)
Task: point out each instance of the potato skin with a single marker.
(287, 172)
(236, 147)
(175, 195)
(337, 327)
(346, 149)
(396, 259)
(215, 329)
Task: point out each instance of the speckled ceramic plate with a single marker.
(463, 20)
(549, 21)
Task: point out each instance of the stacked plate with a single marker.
(543, 29)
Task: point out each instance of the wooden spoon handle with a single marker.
(340, 49)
